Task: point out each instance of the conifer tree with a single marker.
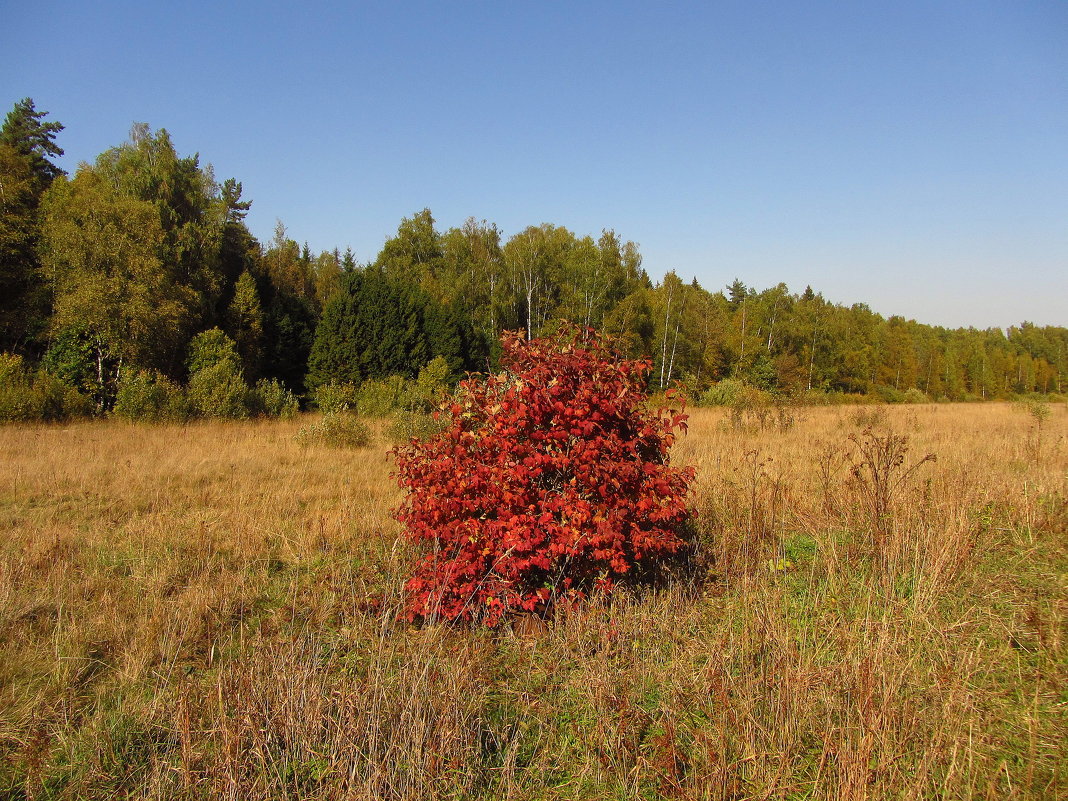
(26, 145)
(245, 324)
(34, 140)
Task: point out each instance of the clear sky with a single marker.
(910, 155)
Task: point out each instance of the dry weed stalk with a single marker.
(880, 473)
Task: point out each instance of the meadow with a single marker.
(212, 610)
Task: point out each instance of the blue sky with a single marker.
(910, 155)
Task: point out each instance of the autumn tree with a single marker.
(472, 275)
(414, 252)
(191, 210)
(596, 277)
(535, 259)
(327, 270)
(102, 248)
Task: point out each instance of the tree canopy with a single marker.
(120, 266)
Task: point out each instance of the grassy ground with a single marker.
(211, 611)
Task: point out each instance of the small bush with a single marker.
(336, 397)
(336, 430)
(887, 394)
(40, 397)
(60, 401)
(724, 393)
(751, 406)
(1037, 408)
(914, 395)
(72, 359)
(380, 398)
(12, 368)
(407, 426)
(431, 386)
(270, 398)
(219, 391)
(150, 397)
(16, 403)
(869, 417)
(550, 481)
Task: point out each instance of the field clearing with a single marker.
(211, 611)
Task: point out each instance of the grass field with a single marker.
(212, 611)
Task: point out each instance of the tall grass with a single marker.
(212, 611)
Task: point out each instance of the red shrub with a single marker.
(550, 479)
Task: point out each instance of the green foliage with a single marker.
(1037, 409)
(888, 394)
(288, 331)
(270, 398)
(336, 430)
(219, 391)
(336, 397)
(12, 368)
(290, 273)
(37, 397)
(71, 357)
(34, 140)
(415, 250)
(151, 397)
(328, 271)
(750, 406)
(380, 398)
(410, 425)
(23, 298)
(761, 373)
(432, 384)
(211, 348)
(17, 402)
(244, 321)
(189, 210)
(723, 393)
(58, 401)
(377, 326)
(410, 400)
(217, 387)
(137, 252)
(103, 248)
(286, 289)
(913, 395)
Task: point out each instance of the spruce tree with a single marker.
(244, 322)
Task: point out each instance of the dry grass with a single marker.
(210, 611)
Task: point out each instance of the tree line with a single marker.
(113, 272)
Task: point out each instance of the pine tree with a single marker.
(34, 140)
(26, 143)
